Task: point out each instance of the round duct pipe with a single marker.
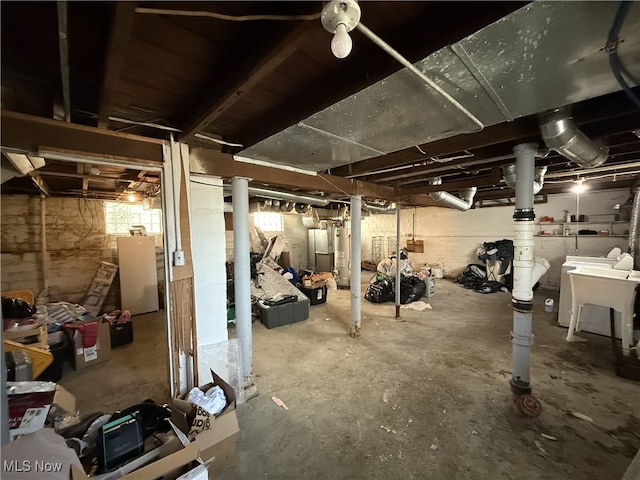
(448, 200)
(291, 197)
(561, 134)
(509, 177)
(373, 208)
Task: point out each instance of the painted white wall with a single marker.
(451, 237)
(296, 240)
(208, 249)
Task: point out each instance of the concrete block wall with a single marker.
(451, 237)
(76, 244)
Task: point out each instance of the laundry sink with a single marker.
(606, 287)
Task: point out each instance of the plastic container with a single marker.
(548, 305)
(224, 359)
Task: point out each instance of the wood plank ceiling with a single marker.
(153, 74)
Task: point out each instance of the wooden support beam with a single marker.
(250, 75)
(27, 133)
(211, 162)
(121, 27)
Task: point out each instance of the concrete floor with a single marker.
(424, 396)
(134, 373)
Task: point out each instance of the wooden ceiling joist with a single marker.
(121, 27)
(250, 75)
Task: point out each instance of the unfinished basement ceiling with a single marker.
(141, 71)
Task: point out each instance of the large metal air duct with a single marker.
(464, 203)
(509, 176)
(561, 134)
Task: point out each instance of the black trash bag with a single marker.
(411, 289)
(17, 308)
(473, 276)
(380, 291)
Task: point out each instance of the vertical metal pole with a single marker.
(356, 254)
(397, 283)
(43, 249)
(522, 295)
(242, 275)
(4, 402)
(634, 229)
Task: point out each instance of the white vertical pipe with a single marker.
(43, 249)
(522, 294)
(242, 275)
(398, 261)
(356, 260)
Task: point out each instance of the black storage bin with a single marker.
(279, 315)
(316, 295)
(53, 372)
(121, 334)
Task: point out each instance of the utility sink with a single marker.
(606, 287)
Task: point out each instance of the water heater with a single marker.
(343, 252)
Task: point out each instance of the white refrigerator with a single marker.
(138, 274)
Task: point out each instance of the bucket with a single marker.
(548, 305)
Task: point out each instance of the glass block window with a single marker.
(268, 221)
(120, 216)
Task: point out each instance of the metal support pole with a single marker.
(242, 275)
(522, 295)
(356, 274)
(397, 283)
(635, 228)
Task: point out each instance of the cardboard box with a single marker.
(416, 246)
(316, 280)
(101, 352)
(220, 439)
(31, 402)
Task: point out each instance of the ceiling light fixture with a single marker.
(579, 187)
(131, 197)
(340, 17)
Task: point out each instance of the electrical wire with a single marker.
(221, 16)
(612, 49)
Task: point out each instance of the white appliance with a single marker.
(593, 318)
(138, 274)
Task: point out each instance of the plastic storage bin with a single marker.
(316, 295)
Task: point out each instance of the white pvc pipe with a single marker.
(522, 294)
(398, 261)
(43, 248)
(356, 252)
(242, 276)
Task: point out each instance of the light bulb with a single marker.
(579, 187)
(341, 42)
(131, 197)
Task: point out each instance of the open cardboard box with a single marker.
(317, 280)
(100, 352)
(217, 443)
(219, 440)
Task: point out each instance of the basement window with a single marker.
(268, 221)
(121, 216)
